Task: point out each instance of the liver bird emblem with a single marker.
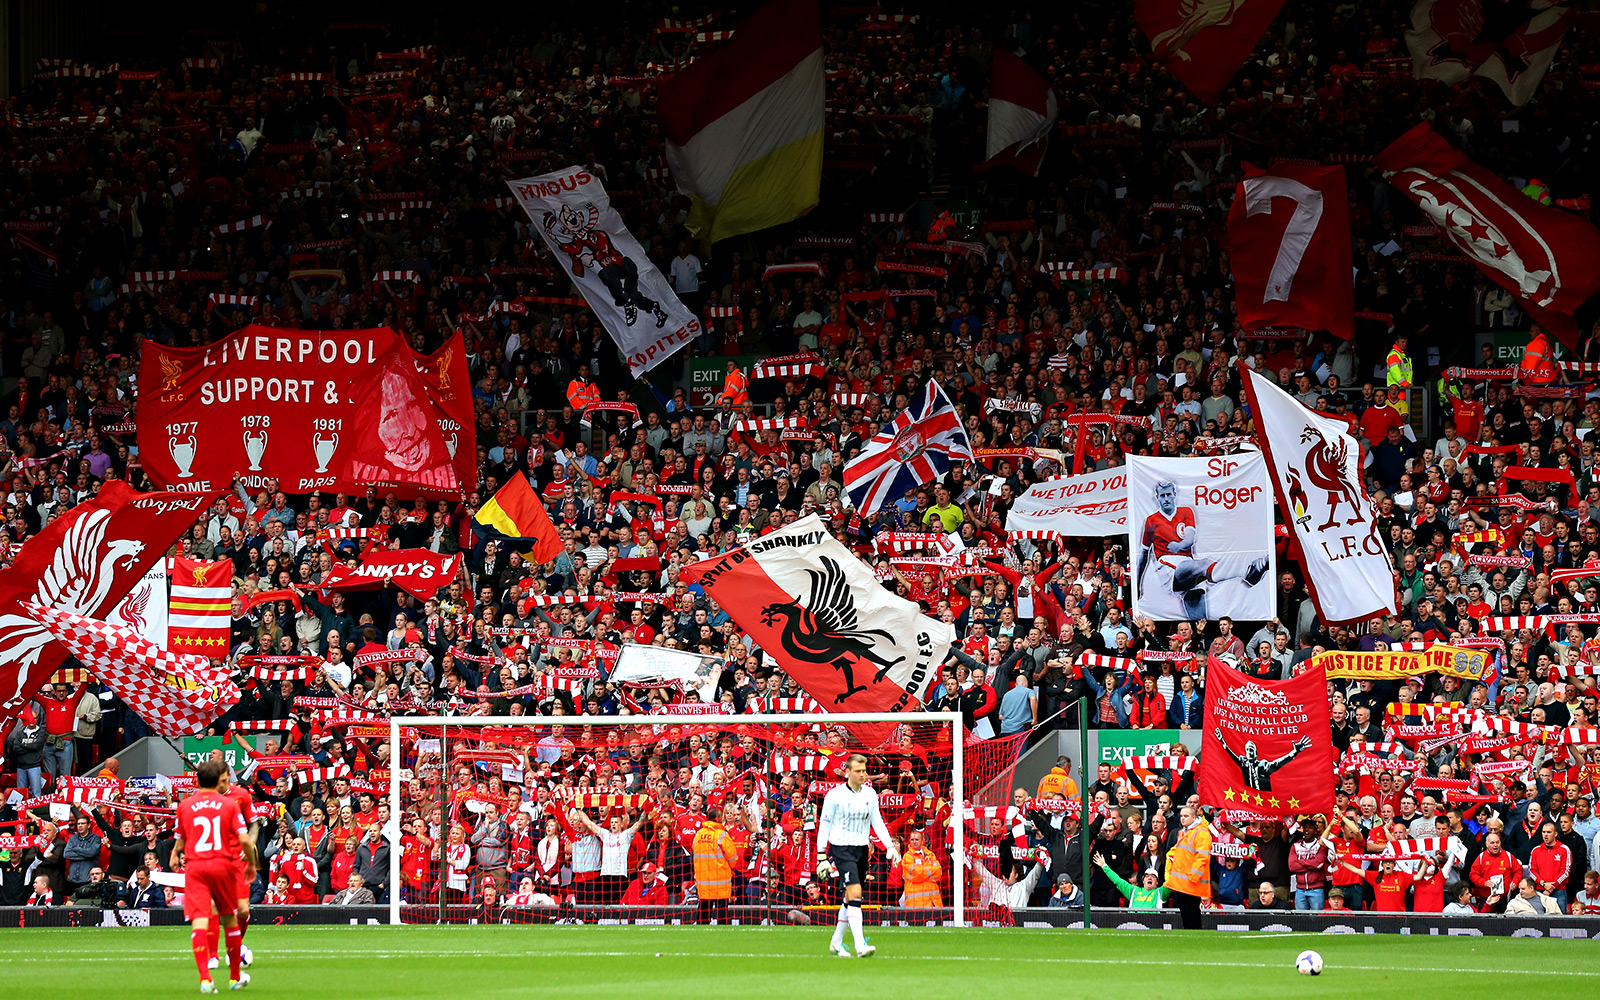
(78, 580)
(171, 372)
(824, 629)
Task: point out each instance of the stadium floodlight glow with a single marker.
(957, 798)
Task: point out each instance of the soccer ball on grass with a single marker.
(1308, 964)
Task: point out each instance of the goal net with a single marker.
(595, 819)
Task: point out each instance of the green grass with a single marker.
(635, 963)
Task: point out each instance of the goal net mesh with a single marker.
(562, 821)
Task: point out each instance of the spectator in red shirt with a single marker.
(1494, 875)
(1550, 865)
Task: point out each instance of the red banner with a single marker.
(313, 410)
(84, 561)
(1547, 258)
(1289, 233)
(1267, 745)
(1201, 46)
(418, 572)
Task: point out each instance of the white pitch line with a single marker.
(34, 956)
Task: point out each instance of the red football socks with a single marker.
(234, 936)
(213, 936)
(202, 954)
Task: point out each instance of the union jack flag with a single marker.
(923, 443)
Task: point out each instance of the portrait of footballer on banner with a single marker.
(1201, 532)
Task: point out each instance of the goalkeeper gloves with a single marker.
(826, 869)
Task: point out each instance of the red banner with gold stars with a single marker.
(1267, 745)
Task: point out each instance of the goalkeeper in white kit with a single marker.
(849, 815)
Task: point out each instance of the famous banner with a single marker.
(1315, 467)
(1267, 746)
(1200, 530)
(84, 562)
(1452, 661)
(572, 212)
(336, 410)
(202, 598)
(820, 612)
(418, 572)
(1092, 504)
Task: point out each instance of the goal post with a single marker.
(445, 769)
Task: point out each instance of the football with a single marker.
(1308, 964)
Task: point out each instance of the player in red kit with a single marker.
(214, 840)
(1174, 581)
(246, 876)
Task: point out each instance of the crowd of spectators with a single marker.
(112, 174)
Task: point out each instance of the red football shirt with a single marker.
(211, 826)
(1161, 531)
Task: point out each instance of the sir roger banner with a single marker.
(1200, 530)
(571, 210)
(336, 410)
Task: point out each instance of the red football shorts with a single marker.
(245, 880)
(209, 885)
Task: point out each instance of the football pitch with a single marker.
(635, 963)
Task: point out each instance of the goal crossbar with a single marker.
(951, 719)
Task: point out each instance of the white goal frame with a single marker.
(958, 800)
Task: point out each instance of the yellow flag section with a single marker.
(1452, 661)
(744, 124)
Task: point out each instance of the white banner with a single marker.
(571, 210)
(145, 608)
(1092, 504)
(1316, 473)
(1200, 530)
(658, 666)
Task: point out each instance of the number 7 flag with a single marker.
(1289, 237)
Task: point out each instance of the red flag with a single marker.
(84, 561)
(1548, 259)
(1289, 236)
(199, 618)
(418, 572)
(1510, 43)
(1203, 42)
(177, 694)
(1267, 746)
(1022, 108)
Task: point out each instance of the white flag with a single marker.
(1315, 467)
(658, 666)
(145, 608)
(571, 210)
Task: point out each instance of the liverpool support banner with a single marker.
(83, 562)
(418, 572)
(818, 610)
(572, 212)
(1093, 504)
(1200, 530)
(1267, 746)
(336, 410)
(1452, 661)
(1315, 467)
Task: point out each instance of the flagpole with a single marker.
(1083, 802)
